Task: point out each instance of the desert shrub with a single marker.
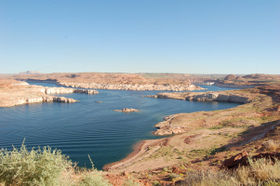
(270, 145)
(131, 182)
(35, 167)
(259, 172)
(264, 170)
(208, 178)
(93, 178)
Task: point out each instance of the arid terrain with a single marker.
(208, 140)
(117, 81)
(215, 140)
(14, 93)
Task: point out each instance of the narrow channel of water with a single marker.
(91, 126)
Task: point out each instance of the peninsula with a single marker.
(13, 92)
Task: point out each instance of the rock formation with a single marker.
(17, 93)
(118, 81)
(138, 87)
(180, 123)
(204, 97)
(127, 110)
(62, 90)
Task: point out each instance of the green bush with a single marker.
(35, 167)
(44, 167)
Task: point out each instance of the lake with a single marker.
(91, 127)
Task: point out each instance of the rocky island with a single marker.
(127, 110)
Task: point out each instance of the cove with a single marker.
(91, 127)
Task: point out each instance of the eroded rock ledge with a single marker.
(205, 97)
(138, 87)
(61, 90)
(14, 93)
(180, 123)
(44, 99)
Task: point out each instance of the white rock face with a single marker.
(20, 83)
(58, 90)
(204, 97)
(44, 99)
(139, 87)
(62, 90)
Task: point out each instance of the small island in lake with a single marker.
(127, 110)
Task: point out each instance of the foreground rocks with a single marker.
(127, 110)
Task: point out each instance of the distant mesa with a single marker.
(30, 72)
(230, 77)
(127, 110)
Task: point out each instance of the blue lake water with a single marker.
(88, 127)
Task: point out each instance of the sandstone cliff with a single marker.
(14, 93)
(205, 97)
(62, 90)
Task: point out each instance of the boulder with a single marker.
(236, 160)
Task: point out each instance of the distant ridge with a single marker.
(30, 72)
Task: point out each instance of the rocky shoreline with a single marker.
(62, 90)
(201, 130)
(44, 99)
(121, 86)
(170, 124)
(136, 87)
(13, 93)
(224, 96)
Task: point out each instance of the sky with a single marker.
(175, 36)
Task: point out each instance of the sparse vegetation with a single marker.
(271, 145)
(35, 167)
(259, 172)
(93, 178)
(131, 182)
(44, 167)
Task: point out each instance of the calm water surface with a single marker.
(88, 127)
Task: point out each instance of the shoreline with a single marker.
(125, 87)
(139, 149)
(14, 93)
(135, 149)
(142, 148)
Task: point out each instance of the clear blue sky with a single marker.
(186, 36)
